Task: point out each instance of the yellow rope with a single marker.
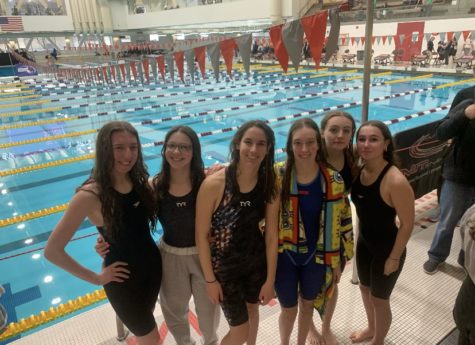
(42, 101)
(29, 112)
(455, 83)
(53, 137)
(45, 165)
(17, 328)
(38, 123)
(18, 97)
(33, 215)
(408, 79)
(15, 92)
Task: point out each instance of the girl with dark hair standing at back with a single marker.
(380, 192)
(117, 199)
(338, 128)
(239, 264)
(311, 236)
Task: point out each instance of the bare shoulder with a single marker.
(214, 181)
(395, 178)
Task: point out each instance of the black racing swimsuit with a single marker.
(134, 299)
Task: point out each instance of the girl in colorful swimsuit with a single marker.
(311, 236)
(239, 264)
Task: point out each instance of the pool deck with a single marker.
(422, 304)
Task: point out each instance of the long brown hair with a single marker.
(290, 162)
(388, 154)
(349, 151)
(102, 175)
(161, 181)
(266, 174)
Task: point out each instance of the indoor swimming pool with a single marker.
(47, 132)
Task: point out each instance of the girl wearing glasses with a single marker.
(175, 188)
(239, 264)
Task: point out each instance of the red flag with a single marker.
(363, 40)
(373, 39)
(104, 73)
(200, 55)
(227, 50)
(352, 41)
(113, 72)
(314, 27)
(161, 65)
(179, 59)
(280, 51)
(465, 35)
(122, 70)
(450, 34)
(145, 69)
(343, 40)
(133, 67)
(384, 39)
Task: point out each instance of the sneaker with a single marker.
(431, 267)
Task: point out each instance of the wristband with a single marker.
(211, 282)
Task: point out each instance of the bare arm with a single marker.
(401, 197)
(271, 238)
(81, 206)
(206, 202)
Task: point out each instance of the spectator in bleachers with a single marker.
(430, 44)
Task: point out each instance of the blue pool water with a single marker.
(32, 283)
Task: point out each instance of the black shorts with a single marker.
(240, 285)
(370, 265)
(134, 299)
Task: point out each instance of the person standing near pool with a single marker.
(338, 128)
(239, 264)
(380, 193)
(311, 236)
(458, 188)
(175, 188)
(117, 198)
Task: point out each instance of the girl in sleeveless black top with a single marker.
(379, 193)
(119, 201)
(239, 265)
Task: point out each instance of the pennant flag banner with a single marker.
(179, 59)
(373, 39)
(357, 39)
(133, 68)
(314, 27)
(457, 35)
(213, 53)
(465, 34)
(280, 51)
(244, 45)
(292, 35)
(200, 54)
(332, 43)
(390, 39)
(190, 63)
(171, 66)
(353, 41)
(363, 40)
(427, 36)
(343, 41)
(145, 65)
(161, 65)
(378, 39)
(227, 50)
(442, 36)
(450, 34)
(402, 38)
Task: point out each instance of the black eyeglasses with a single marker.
(180, 147)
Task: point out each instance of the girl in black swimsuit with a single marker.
(239, 265)
(119, 201)
(380, 192)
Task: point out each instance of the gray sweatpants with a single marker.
(182, 278)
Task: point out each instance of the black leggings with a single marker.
(370, 267)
